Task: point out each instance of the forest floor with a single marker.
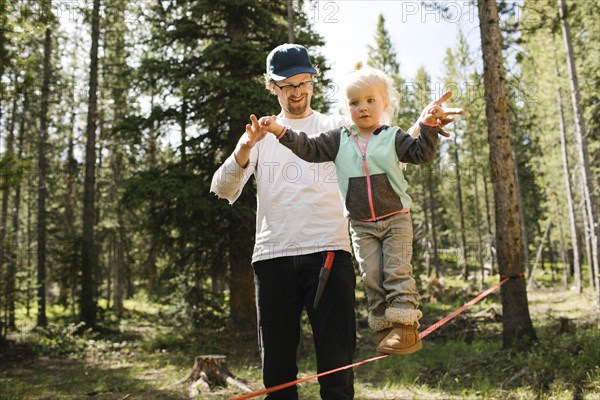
(464, 359)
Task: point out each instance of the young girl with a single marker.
(368, 157)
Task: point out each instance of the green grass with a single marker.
(141, 356)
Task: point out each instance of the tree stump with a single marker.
(210, 371)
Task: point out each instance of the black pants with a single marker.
(284, 287)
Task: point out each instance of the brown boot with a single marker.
(379, 335)
(400, 339)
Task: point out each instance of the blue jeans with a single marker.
(284, 287)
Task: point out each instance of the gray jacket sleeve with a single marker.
(420, 149)
(321, 148)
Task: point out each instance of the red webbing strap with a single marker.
(463, 308)
(423, 334)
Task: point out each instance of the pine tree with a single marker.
(516, 320)
(88, 263)
(383, 56)
(584, 164)
(536, 61)
(212, 87)
(455, 72)
(430, 172)
(42, 164)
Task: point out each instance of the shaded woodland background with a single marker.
(112, 125)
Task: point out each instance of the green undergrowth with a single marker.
(142, 355)
(558, 365)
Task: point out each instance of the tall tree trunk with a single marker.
(565, 161)
(478, 250)
(118, 264)
(539, 253)
(6, 249)
(478, 225)
(491, 242)
(433, 230)
(29, 241)
(7, 252)
(183, 126)
(99, 257)
(426, 242)
(88, 264)
(70, 213)
(69, 216)
(586, 229)
(123, 273)
(290, 17)
(241, 233)
(461, 211)
(524, 235)
(4, 59)
(152, 243)
(586, 176)
(110, 268)
(17, 246)
(563, 257)
(42, 188)
(517, 325)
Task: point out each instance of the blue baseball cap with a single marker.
(287, 60)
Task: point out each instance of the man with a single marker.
(298, 221)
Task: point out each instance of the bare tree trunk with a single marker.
(42, 188)
(432, 221)
(152, 272)
(565, 160)
(461, 211)
(28, 243)
(218, 274)
(241, 233)
(524, 235)
(110, 268)
(183, 126)
(70, 213)
(3, 62)
(491, 239)
(563, 257)
(539, 253)
(8, 255)
(586, 232)
(426, 241)
(586, 176)
(17, 245)
(118, 263)
(478, 227)
(88, 266)
(121, 277)
(5, 249)
(290, 16)
(478, 223)
(516, 319)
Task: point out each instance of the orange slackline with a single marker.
(503, 280)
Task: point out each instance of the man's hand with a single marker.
(254, 133)
(436, 115)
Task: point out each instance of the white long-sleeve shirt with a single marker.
(299, 206)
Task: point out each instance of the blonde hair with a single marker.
(365, 75)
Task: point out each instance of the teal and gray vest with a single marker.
(369, 175)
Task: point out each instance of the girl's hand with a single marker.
(436, 115)
(271, 125)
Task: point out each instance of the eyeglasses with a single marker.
(289, 89)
